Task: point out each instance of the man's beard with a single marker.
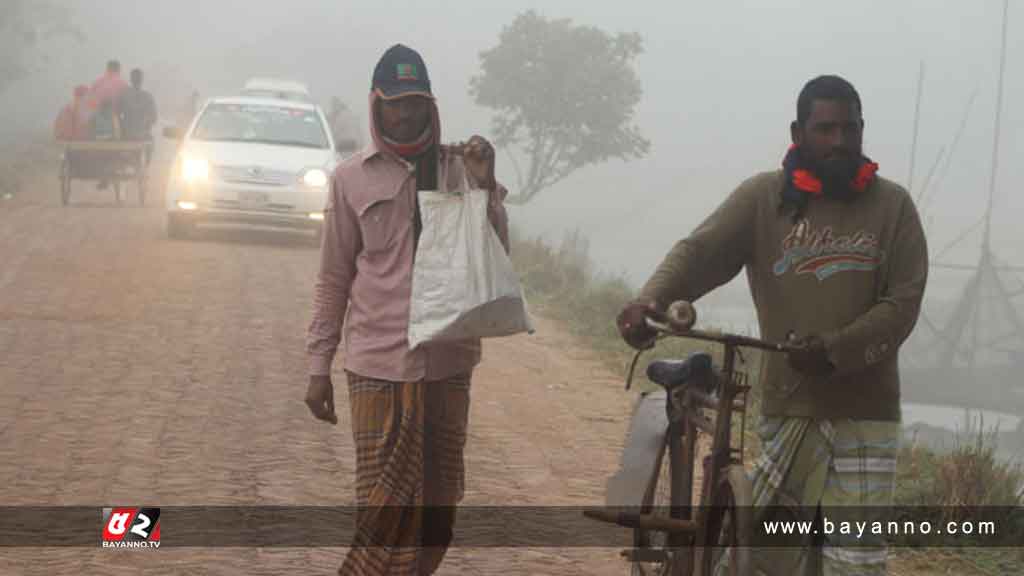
(836, 174)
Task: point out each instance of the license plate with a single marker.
(250, 199)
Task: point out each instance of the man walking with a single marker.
(409, 408)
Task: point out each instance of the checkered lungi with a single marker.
(409, 439)
(844, 468)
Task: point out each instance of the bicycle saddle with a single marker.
(673, 373)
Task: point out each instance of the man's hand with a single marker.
(320, 398)
(478, 157)
(632, 323)
(811, 358)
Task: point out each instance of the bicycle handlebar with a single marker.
(722, 337)
(680, 318)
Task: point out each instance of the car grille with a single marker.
(225, 204)
(280, 207)
(220, 203)
(254, 175)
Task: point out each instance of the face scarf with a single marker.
(802, 182)
(410, 150)
(423, 151)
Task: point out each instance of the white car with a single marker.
(251, 161)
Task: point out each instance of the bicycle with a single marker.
(671, 538)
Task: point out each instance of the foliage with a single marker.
(564, 97)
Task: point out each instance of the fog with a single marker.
(720, 83)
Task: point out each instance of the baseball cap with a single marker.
(401, 72)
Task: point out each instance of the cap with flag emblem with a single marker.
(401, 72)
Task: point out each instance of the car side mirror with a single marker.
(346, 146)
(172, 132)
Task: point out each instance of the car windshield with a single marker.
(280, 125)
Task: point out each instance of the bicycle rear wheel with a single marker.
(664, 491)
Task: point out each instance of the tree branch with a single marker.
(515, 166)
(538, 150)
(535, 148)
(547, 161)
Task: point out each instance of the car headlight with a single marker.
(195, 170)
(315, 178)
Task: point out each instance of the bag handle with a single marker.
(448, 153)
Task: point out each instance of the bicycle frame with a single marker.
(684, 408)
(689, 535)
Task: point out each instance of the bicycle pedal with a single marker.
(649, 555)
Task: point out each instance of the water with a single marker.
(955, 417)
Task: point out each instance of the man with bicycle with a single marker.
(837, 262)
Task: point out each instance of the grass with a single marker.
(561, 284)
(967, 476)
(958, 481)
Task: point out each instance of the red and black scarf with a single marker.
(802, 183)
(423, 151)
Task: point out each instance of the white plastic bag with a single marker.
(463, 283)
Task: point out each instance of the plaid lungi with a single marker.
(841, 468)
(409, 439)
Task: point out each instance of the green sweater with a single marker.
(853, 272)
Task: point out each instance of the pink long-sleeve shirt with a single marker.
(106, 88)
(365, 279)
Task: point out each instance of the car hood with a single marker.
(285, 158)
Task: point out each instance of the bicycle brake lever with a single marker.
(654, 324)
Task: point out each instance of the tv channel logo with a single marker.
(131, 528)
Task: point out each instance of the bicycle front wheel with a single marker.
(729, 527)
